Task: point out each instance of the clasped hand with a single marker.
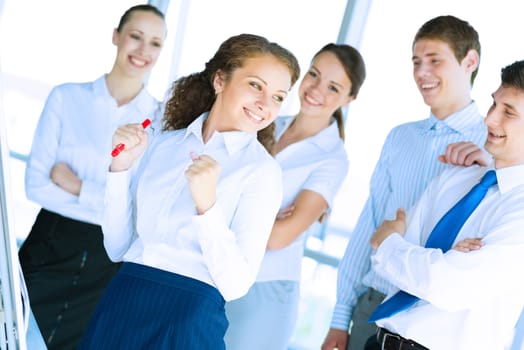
(135, 139)
(64, 177)
(465, 153)
(202, 176)
(399, 226)
(388, 227)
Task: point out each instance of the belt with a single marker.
(392, 341)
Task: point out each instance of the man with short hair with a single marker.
(462, 300)
(446, 55)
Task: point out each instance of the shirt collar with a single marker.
(510, 177)
(234, 141)
(100, 87)
(460, 121)
(326, 139)
(144, 102)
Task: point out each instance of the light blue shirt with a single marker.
(318, 163)
(468, 300)
(407, 163)
(76, 127)
(151, 219)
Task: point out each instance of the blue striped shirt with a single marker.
(407, 163)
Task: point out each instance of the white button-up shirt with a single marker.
(318, 163)
(76, 127)
(407, 164)
(469, 300)
(150, 217)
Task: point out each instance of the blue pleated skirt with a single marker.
(149, 308)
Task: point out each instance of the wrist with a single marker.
(202, 209)
(115, 167)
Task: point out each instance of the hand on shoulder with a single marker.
(465, 154)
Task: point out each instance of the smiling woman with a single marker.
(189, 212)
(75, 48)
(310, 151)
(63, 259)
(257, 90)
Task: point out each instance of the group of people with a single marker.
(192, 236)
(468, 297)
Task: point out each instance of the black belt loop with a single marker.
(391, 341)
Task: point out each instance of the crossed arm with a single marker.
(459, 153)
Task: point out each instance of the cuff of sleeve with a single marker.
(386, 248)
(341, 317)
(117, 184)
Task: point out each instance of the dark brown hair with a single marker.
(513, 75)
(355, 68)
(145, 7)
(458, 34)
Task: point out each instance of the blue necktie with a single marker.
(442, 237)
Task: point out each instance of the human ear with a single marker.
(348, 100)
(218, 82)
(471, 60)
(115, 37)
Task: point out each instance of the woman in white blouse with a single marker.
(63, 259)
(310, 150)
(191, 219)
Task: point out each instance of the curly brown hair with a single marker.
(194, 94)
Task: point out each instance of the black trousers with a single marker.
(393, 343)
(372, 343)
(66, 270)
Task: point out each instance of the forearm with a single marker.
(117, 218)
(451, 281)
(233, 251)
(308, 206)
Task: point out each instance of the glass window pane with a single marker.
(303, 27)
(45, 43)
(390, 97)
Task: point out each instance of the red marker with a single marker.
(120, 147)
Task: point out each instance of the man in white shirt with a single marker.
(468, 300)
(446, 55)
